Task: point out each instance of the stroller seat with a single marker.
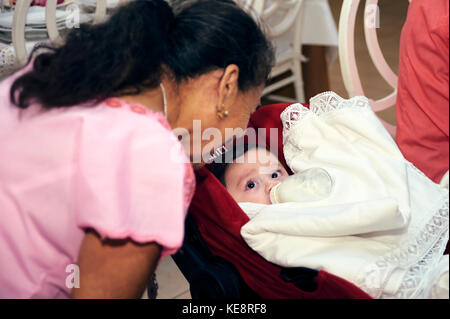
(217, 262)
(209, 276)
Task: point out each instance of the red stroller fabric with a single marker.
(219, 220)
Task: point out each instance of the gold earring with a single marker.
(222, 113)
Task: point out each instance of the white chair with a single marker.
(347, 59)
(284, 21)
(349, 68)
(19, 19)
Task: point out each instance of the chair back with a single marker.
(350, 74)
(19, 21)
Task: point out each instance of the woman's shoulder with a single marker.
(112, 125)
(130, 156)
(116, 125)
(134, 116)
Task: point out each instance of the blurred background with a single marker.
(320, 76)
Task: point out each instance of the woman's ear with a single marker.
(228, 85)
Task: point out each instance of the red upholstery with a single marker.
(220, 219)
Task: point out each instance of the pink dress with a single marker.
(115, 168)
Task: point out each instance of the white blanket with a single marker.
(384, 226)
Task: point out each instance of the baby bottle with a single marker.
(310, 185)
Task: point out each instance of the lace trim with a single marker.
(7, 60)
(404, 271)
(320, 104)
(293, 114)
(416, 257)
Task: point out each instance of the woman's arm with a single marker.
(114, 268)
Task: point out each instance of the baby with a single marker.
(256, 177)
(251, 175)
(383, 226)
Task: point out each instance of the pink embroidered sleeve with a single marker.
(131, 181)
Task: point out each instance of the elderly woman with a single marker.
(94, 185)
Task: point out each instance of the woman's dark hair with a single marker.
(127, 53)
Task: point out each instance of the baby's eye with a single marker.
(276, 174)
(250, 185)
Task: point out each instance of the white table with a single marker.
(319, 27)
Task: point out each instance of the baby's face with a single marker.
(253, 175)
